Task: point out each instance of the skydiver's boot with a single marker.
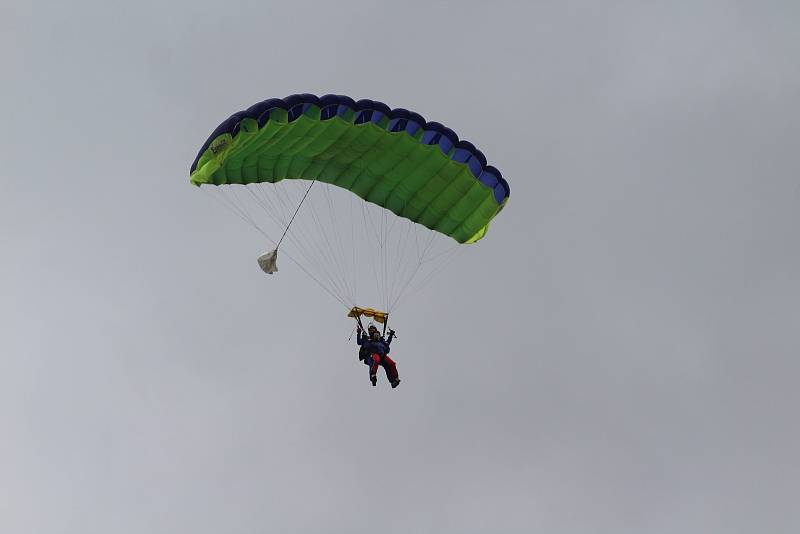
(374, 380)
(395, 383)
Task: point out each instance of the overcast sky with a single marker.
(619, 355)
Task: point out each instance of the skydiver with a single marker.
(374, 351)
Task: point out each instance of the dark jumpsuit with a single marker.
(379, 350)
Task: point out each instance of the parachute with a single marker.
(358, 191)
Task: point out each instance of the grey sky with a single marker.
(632, 369)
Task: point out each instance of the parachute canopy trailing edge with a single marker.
(392, 158)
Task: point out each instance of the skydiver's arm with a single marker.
(391, 336)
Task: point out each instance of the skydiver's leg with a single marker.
(373, 369)
(391, 368)
(368, 361)
(387, 370)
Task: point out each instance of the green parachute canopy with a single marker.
(391, 158)
(417, 170)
